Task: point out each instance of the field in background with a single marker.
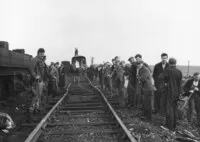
(192, 69)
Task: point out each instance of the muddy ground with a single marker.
(151, 131)
(143, 131)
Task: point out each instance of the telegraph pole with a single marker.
(92, 60)
(188, 69)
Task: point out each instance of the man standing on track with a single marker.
(116, 75)
(159, 84)
(172, 79)
(132, 82)
(139, 57)
(144, 77)
(37, 69)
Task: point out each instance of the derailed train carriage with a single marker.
(14, 70)
(79, 65)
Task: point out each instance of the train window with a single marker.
(77, 64)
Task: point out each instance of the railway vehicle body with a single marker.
(67, 66)
(14, 69)
(79, 65)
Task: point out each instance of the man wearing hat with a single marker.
(191, 89)
(132, 82)
(139, 57)
(117, 58)
(131, 60)
(115, 75)
(145, 80)
(172, 78)
(106, 73)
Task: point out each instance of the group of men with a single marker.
(45, 81)
(135, 84)
(156, 91)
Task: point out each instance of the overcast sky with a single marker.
(104, 28)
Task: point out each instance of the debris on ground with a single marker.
(6, 122)
(155, 130)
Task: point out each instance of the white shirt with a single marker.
(195, 83)
(163, 65)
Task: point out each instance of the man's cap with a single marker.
(129, 59)
(138, 55)
(196, 73)
(172, 61)
(117, 58)
(106, 63)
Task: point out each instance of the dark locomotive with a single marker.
(14, 69)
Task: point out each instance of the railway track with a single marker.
(83, 114)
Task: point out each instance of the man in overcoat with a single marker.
(159, 95)
(145, 79)
(172, 79)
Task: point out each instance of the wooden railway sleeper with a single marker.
(123, 136)
(43, 129)
(113, 117)
(118, 125)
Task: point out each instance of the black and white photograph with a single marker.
(100, 71)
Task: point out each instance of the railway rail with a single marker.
(82, 114)
(23, 129)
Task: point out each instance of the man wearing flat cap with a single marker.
(172, 78)
(145, 80)
(192, 91)
(139, 57)
(117, 58)
(107, 81)
(116, 75)
(131, 60)
(132, 82)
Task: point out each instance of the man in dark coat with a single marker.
(159, 84)
(107, 80)
(172, 78)
(61, 77)
(191, 88)
(116, 75)
(132, 82)
(148, 88)
(37, 70)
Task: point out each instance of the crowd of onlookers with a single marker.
(156, 90)
(135, 84)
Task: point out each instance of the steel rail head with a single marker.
(34, 135)
(129, 135)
